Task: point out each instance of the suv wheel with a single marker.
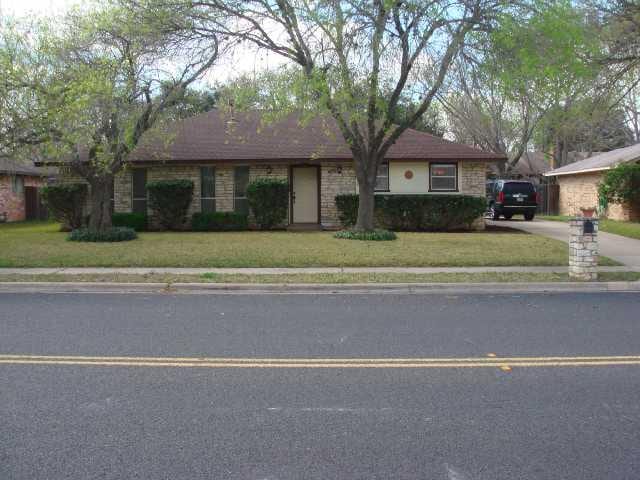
(529, 216)
(508, 216)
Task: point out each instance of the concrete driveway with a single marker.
(622, 249)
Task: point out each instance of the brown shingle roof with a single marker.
(597, 163)
(13, 167)
(211, 137)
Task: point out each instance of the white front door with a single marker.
(304, 194)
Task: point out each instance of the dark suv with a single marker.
(511, 197)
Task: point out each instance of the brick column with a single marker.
(583, 248)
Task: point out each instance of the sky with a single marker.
(45, 7)
(242, 61)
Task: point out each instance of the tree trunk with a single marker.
(366, 197)
(100, 202)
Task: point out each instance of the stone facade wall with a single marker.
(122, 192)
(583, 249)
(224, 188)
(335, 179)
(581, 190)
(472, 178)
(224, 184)
(13, 204)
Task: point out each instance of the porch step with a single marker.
(304, 227)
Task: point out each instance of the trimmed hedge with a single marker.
(66, 202)
(376, 235)
(170, 199)
(113, 234)
(416, 212)
(219, 221)
(137, 221)
(269, 201)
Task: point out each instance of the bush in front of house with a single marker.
(269, 201)
(137, 221)
(170, 200)
(65, 202)
(416, 212)
(347, 206)
(375, 235)
(113, 234)
(621, 184)
(219, 222)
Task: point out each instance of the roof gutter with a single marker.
(574, 172)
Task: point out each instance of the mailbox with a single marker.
(587, 228)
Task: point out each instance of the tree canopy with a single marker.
(84, 88)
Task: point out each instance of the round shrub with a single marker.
(66, 202)
(269, 201)
(374, 235)
(113, 234)
(170, 200)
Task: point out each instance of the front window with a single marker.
(208, 189)
(443, 177)
(139, 190)
(17, 184)
(382, 179)
(241, 182)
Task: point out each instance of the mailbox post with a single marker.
(583, 248)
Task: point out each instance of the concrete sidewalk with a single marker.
(490, 288)
(286, 271)
(622, 249)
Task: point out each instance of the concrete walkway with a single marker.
(622, 249)
(284, 271)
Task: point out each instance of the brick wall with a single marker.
(335, 178)
(12, 204)
(334, 182)
(581, 190)
(224, 184)
(472, 178)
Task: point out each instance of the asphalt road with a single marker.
(75, 421)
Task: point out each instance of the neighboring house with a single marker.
(530, 167)
(579, 183)
(222, 154)
(19, 191)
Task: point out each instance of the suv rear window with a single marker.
(518, 187)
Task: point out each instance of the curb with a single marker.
(327, 289)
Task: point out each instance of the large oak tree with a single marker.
(359, 60)
(83, 89)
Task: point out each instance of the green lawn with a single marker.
(626, 229)
(42, 245)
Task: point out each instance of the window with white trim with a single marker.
(382, 179)
(208, 189)
(443, 177)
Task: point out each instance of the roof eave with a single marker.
(576, 172)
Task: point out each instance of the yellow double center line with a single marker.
(204, 362)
